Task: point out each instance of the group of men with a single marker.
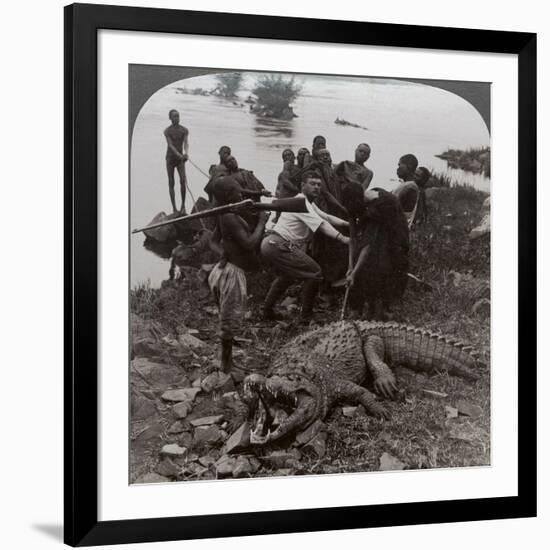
(349, 231)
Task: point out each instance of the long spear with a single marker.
(295, 204)
(351, 255)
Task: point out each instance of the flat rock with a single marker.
(310, 432)
(183, 394)
(173, 449)
(141, 407)
(214, 381)
(469, 409)
(240, 439)
(185, 440)
(167, 468)
(389, 462)
(195, 470)
(206, 420)
(190, 341)
(225, 465)
(255, 463)
(242, 467)
(283, 472)
(279, 459)
(349, 411)
(209, 435)
(151, 432)
(182, 409)
(152, 478)
(451, 412)
(207, 461)
(144, 347)
(176, 428)
(317, 445)
(160, 376)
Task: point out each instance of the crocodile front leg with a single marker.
(384, 380)
(353, 393)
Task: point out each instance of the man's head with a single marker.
(421, 176)
(406, 167)
(323, 155)
(302, 153)
(174, 116)
(311, 185)
(362, 153)
(227, 191)
(224, 152)
(288, 155)
(319, 142)
(231, 163)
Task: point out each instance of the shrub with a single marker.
(229, 84)
(275, 93)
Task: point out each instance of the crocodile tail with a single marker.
(440, 352)
(424, 350)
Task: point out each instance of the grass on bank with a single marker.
(420, 434)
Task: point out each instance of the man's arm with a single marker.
(233, 228)
(368, 179)
(215, 241)
(332, 200)
(333, 220)
(329, 231)
(186, 142)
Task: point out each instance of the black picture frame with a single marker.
(81, 26)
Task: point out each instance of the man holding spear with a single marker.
(227, 280)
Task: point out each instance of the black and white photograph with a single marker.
(309, 283)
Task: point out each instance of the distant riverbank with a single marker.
(475, 160)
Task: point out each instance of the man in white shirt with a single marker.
(285, 245)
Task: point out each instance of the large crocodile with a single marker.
(321, 367)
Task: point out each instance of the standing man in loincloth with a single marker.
(177, 138)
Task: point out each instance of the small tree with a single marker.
(275, 94)
(229, 83)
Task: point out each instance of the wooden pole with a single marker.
(294, 204)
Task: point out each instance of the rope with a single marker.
(201, 171)
(191, 194)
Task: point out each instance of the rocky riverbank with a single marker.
(188, 422)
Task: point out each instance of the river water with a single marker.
(401, 118)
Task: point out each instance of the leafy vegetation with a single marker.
(476, 160)
(228, 84)
(275, 95)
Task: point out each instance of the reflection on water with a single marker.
(268, 128)
(401, 118)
